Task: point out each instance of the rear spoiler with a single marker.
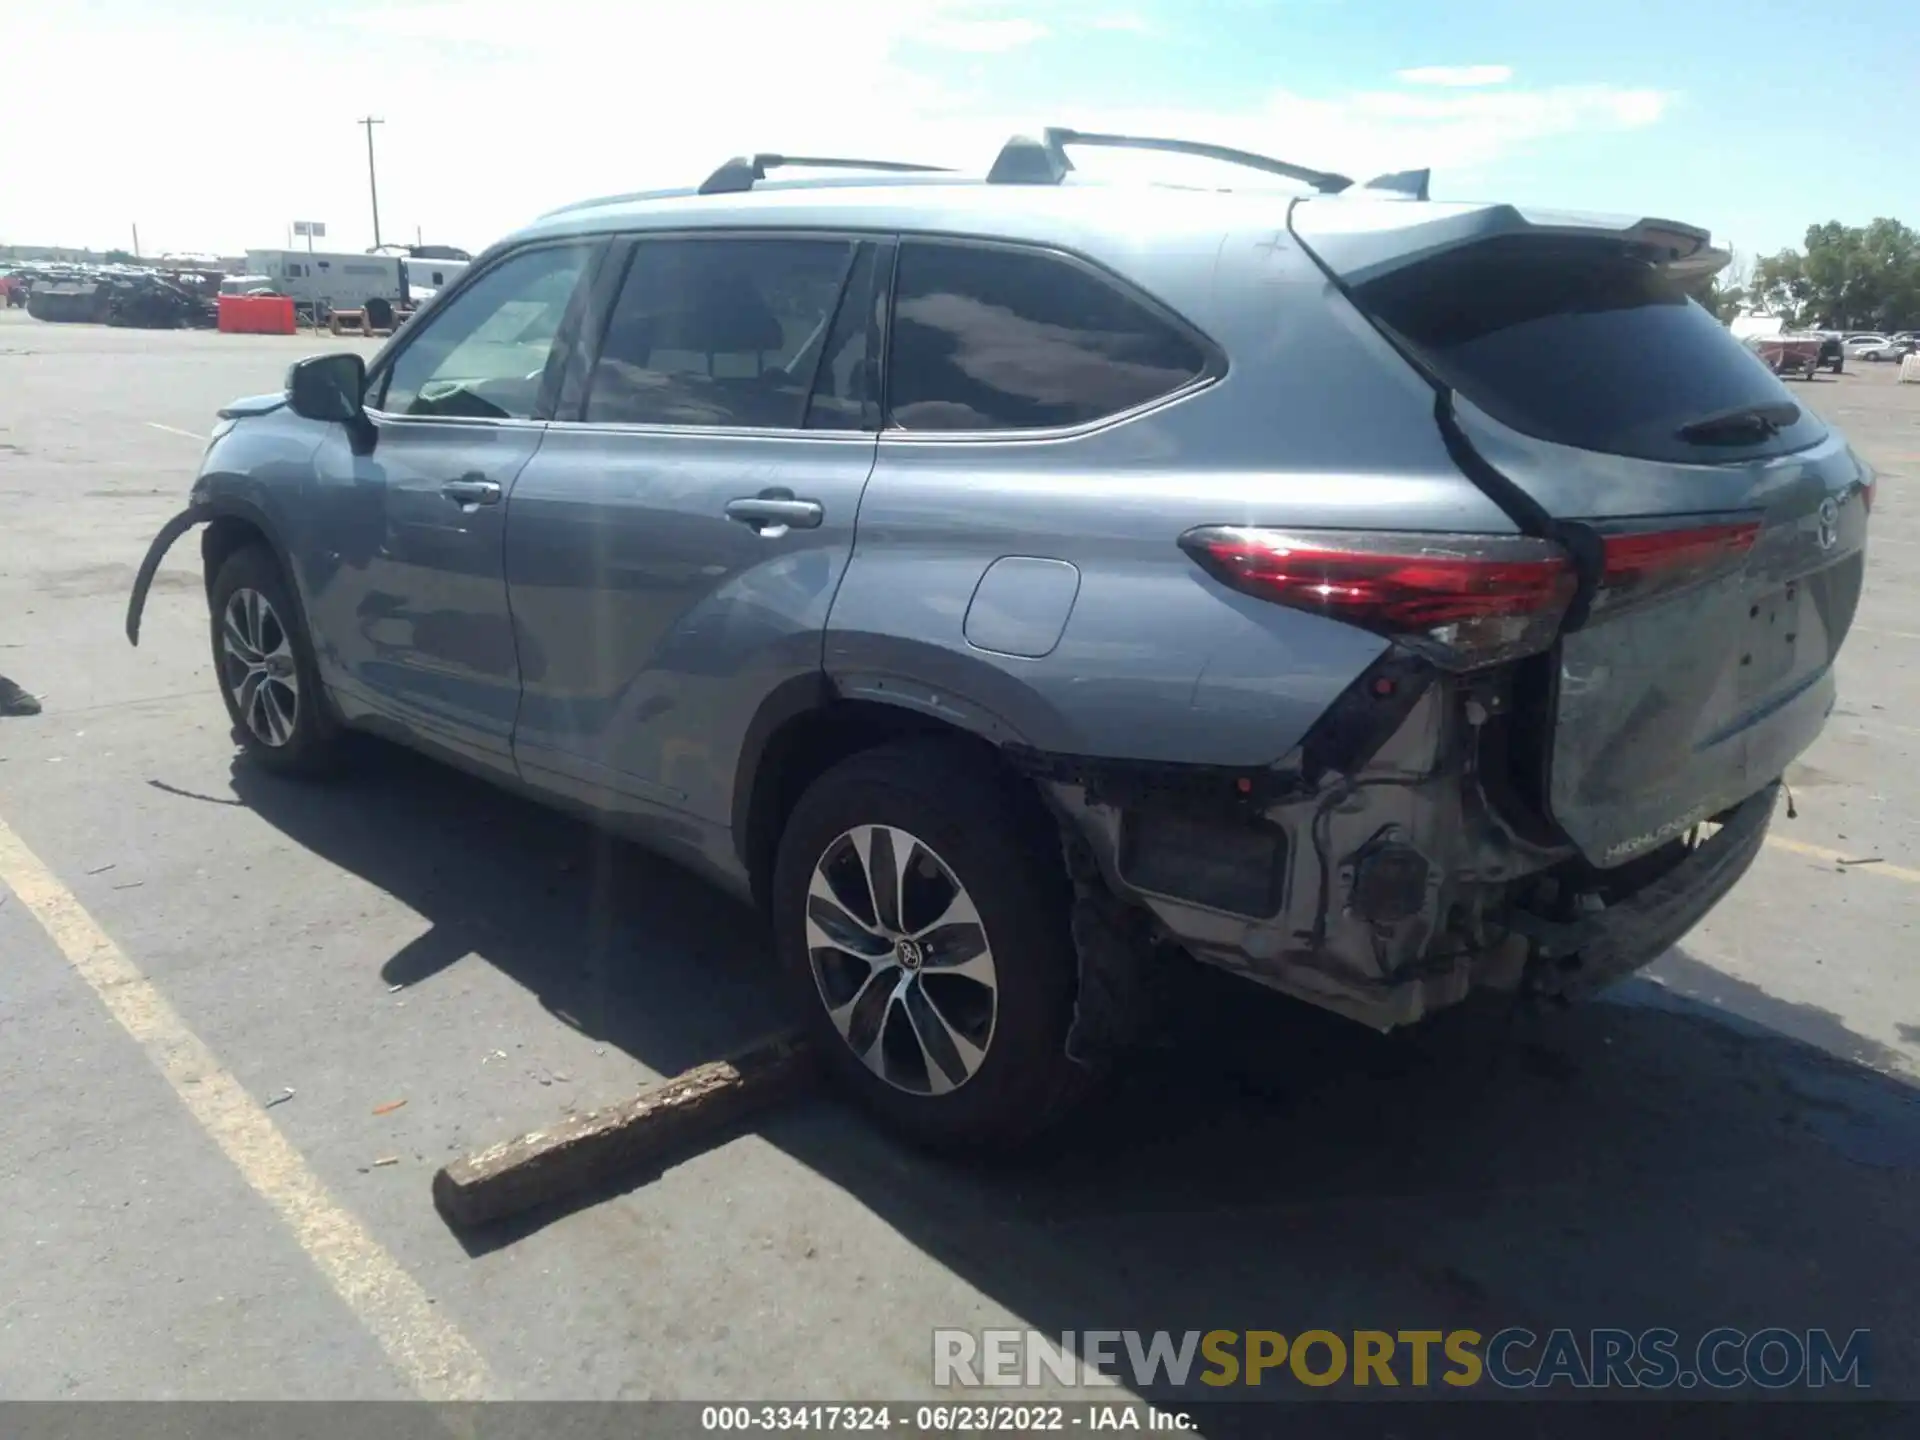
(1412, 184)
(1700, 266)
(1362, 238)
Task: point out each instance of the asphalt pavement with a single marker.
(215, 985)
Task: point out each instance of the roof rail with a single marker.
(622, 199)
(1026, 161)
(742, 171)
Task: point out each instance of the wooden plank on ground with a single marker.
(584, 1150)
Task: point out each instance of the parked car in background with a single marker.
(950, 564)
(247, 285)
(1878, 347)
(1832, 354)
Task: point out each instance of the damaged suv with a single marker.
(1003, 579)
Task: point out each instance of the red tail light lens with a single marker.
(1463, 600)
(1638, 566)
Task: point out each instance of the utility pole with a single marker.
(373, 187)
(136, 242)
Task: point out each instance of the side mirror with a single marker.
(328, 387)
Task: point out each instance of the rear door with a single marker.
(1719, 524)
(672, 550)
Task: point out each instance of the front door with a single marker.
(416, 625)
(673, 548)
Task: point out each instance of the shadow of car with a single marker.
(1647, 1160)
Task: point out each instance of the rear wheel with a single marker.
(265, 664)
(921, 909)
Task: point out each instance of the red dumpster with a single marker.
(256, 315)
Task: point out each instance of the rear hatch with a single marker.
(1719, 526)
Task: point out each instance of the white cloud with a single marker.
(981, 37)
(492, 119)
(1458, 75)
(1127, 24)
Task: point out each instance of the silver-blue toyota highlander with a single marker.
(1003, 579)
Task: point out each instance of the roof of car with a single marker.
(953, 204)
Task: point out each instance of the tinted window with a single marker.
(485, 353)
(718, 332)
(993, 339)
(1580, 344)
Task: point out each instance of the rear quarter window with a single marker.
(1580, 343)
(991, 338)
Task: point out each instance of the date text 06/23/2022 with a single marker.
(964, 1418)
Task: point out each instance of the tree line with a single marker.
(1845, 277)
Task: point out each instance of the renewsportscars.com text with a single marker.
(1515, 1358)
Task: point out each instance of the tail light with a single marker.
(1462, 600)
(1641, 565)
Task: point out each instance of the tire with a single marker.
(964, 826)
(266, 665)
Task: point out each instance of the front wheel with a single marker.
(265, 664)
(921, 909)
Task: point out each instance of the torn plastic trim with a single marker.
(1113, 943)
(1364, 716)
(1624, 937)
(249, 406)
(1346, 737)
(196, 514)
(1209, 791)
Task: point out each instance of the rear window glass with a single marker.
(986, 338)
(1581, 344)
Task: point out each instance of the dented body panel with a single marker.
(1670, 711)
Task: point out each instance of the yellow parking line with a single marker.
(1834, 857)
(439, 1362)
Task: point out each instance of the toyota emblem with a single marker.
(1829, 523)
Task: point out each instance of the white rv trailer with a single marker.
(334, 281)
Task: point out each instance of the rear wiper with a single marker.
(1747, 425)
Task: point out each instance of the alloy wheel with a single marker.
(901, 960)
(260, 671)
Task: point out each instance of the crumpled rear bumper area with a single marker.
(1638, 930)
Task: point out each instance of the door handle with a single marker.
(467, 493)
(776, 511)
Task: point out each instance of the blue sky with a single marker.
(212, 123)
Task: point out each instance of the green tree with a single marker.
(1848, 277)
